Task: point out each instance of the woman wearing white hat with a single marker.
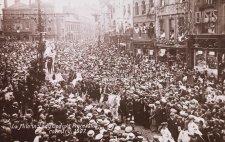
(166, 134)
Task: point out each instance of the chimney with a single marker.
(5, 3)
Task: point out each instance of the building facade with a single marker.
(20, 21)
(73, 26)
(122, 14)
(144, 12)
(72, 30)
(144, 27)
(48, 20)
(207, 37)
(172, 28)
(16, 21)
(87, 28)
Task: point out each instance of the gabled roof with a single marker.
(18, 5)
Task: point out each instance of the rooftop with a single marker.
(18, 5)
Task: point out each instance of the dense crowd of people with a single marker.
(20, 74)
(99, 93)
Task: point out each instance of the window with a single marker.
(181, 27)
(151, 3)
(181, 1)
(170, 2)
(162, 31)
(143, 6)
(162, 2)
(124, 10)
(161, 24)
(27, 25)
(49, 29)
(200, 59)
(198, 17)
(136, 9)
(212, 60)
(209, 1)
(172, 27)
(128, 10)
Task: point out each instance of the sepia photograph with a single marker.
(112, 70)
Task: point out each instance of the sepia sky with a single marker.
(81, 5)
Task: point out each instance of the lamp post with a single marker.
(41, 45)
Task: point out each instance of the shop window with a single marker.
(143, 6)
(136, 9)
(200, 60)
(212, 60)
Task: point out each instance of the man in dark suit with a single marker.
(173, 126)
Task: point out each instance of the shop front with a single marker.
(207, 53)
(171, 53)
(146, 48)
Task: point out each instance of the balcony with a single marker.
(170, 43)
(141, 37)
(172, 9)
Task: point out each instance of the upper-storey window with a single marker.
(143, 6)
(136, 9)
(162, 2)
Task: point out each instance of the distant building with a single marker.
(73, 26)
(72, 29)
(48, 20)
(87, 27)
(122, 15)
(20, 21)
(16, 21)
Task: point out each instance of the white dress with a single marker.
(166, 135)
(193, 128)
(183, 136)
